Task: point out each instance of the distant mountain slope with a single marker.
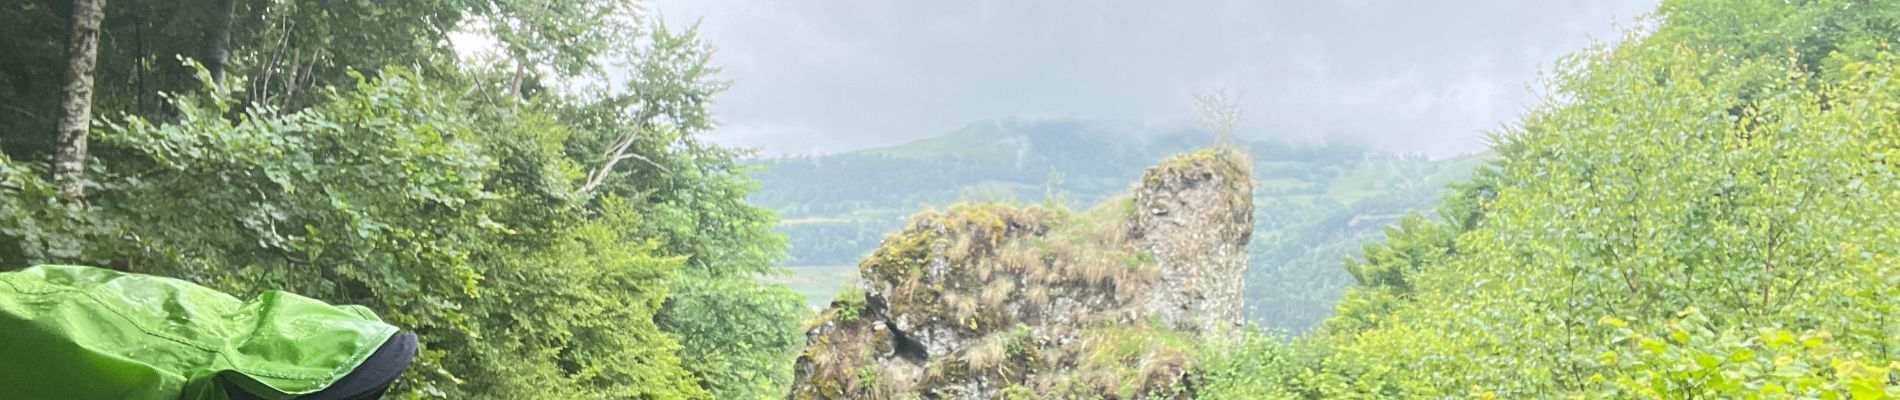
(1315, 203)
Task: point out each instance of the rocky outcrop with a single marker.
(1194, 214)
(991, 301)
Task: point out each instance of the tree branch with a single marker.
(619, 151)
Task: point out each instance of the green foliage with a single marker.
(741, 335)
(575, 319)
(287, 51)
(1135, 361)
(1256, 365)
(695, 191)
(415, 192)
(1414, 244)
(1690, 357)
(378, 192)
(1385, 275)
(1703, 211)
(564, 36)
(319, 39)
(1015, 392)
(381, 196)
(34, 225)
(850, 304)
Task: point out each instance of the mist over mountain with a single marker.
(1405, 76)
(1316, 201)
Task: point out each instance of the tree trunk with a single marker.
(82, 53)
(218, 48)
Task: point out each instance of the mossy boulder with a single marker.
(994, 300)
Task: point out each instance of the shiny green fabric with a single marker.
(70, 332)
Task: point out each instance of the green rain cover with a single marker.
(69, 332)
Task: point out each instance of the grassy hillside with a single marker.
(1316, 202)
(1704, 210)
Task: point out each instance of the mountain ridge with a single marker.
(1318, 201)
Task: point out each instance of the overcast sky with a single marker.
(823, 76)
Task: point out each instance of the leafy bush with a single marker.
(1717, 191)
(456, 219)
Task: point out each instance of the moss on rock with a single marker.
(989, 300)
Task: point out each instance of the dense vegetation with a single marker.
(1704, 210)
(549, 231)
(1315, 203)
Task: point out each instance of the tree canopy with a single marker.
(1703, 209)
(342, 151)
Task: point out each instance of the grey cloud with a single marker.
(1412, 76)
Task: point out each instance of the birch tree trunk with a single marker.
(218, 49)
(69, 157)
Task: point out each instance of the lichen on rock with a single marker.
(992, 300)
